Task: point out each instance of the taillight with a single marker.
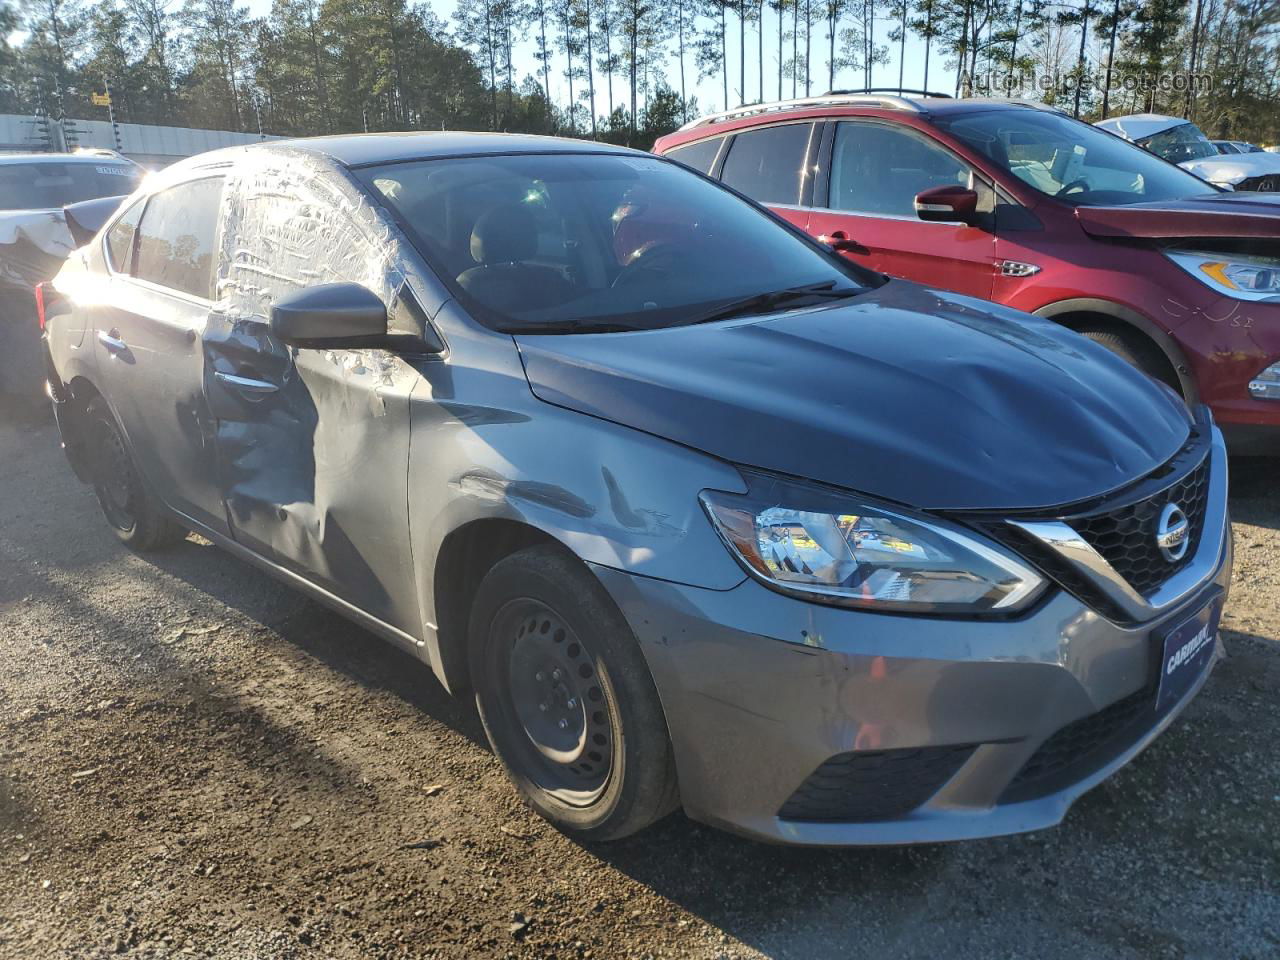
(46, 297)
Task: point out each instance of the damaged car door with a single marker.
(147, 341)
(313, 444)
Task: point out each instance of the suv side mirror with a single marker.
(948, 205)
(334, 316)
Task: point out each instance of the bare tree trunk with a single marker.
(1084, 35)
(1191, 67)
(1111, 54)
(591, 79)
(928, 41)
(808, 44)
(684, 100)
(760, 35)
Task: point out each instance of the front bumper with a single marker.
(761, 690)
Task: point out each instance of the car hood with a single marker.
(1232, 168)
(1210, 215)
(918, 396)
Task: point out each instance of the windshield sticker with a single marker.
(115, 171)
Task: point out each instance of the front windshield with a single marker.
(595, 241)
(1180, 143)
(1070, 160)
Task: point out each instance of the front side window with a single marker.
(176, 238)
(582, 242)
(879, 169)
(700, 155)
(1070, 160)
(121, 236)
(768, 164)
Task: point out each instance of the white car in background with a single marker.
(1182, 142)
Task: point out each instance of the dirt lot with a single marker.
(196, 761)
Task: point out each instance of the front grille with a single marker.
(1126, 537)
(1081, 747)
(874, 784)
(1122, 529)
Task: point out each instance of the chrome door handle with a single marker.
(247, 384)
(112, 342)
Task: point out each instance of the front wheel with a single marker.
(566, 699)
(134, 515)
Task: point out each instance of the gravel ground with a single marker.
(196, 761)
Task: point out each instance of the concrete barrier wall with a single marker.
(147, 144)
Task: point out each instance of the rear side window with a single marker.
(46, 184)
(879, 169)
(176, 239)
(700, 155)
(120, 238)
(768, 164)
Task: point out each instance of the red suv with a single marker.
(1023, 205)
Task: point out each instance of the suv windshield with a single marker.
(1070, 160)
(590, 242)
(45, 184)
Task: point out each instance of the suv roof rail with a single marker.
(900, 91)
(827, 100)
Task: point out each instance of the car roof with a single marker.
(98, 159)
(362, 149)
(842, 104)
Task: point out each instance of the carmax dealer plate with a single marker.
(1188, 648)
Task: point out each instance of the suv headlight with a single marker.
(1238, 275)
(850, 550)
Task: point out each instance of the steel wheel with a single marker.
(113, 476)
(555, 697)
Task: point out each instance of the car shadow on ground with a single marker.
(318, 632)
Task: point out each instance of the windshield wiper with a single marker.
(772, 300)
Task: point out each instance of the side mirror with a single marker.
(948, 205)
(332, 316)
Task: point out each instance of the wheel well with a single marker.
(1085, 321)
(465, 556)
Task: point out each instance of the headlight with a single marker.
(1266, 385)
(855, 552)
(1236, 275)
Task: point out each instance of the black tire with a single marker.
(136, 518)
(606, 771)
(1137, 352)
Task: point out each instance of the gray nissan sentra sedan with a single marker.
(702, 514)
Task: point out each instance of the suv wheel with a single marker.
(566, 699)
(135, 517)
(1137, 352)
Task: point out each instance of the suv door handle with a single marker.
(245, 384)
(112, 341)
(840, 241)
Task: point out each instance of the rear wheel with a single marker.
(1137, 352)
(134, 516)
(566, 698)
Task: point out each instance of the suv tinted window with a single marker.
(45, 184)
(698, 155)
(879, 169)
(768, 164)
(176, 239)
(120, 238)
